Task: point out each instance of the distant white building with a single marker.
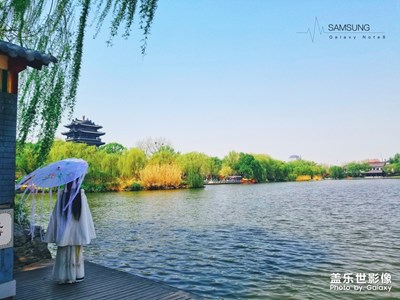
(294, 157)
(376, 168)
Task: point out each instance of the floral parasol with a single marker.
(55, 174)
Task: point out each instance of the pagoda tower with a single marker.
(84, 131)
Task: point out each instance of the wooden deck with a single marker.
(100, 283)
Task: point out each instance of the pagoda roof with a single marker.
(87, 123)
(88, 141)
(98, 133)
(32, 58)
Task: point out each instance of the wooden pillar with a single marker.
(8, 121)
(8, 124)
(13, 59)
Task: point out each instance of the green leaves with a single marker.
(58, 27)
(113, 167)
(113, 148)
(336, 172)
(77, 57)
(356, 169)
(131, 162)
(147, 12)
(195, 167)
(250, 168)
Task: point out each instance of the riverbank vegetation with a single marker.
(113, 167)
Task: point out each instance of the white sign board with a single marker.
(6, 228)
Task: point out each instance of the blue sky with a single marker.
(236, 75)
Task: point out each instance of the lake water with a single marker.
(265, 241)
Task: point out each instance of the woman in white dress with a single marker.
(70, 227)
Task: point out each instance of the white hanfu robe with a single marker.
(70, 235)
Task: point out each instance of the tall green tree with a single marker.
(113, 148)
(266, 163)
(195, 167)
(231, 159)
(59, 27)
(354, 169)
(26, 161)
(392, 169)
(281, 170)
(131, 162)
(249, 167)
(225, 171)
(304, 167)
(395, 159)
(214, 166)
(164, 155)
(336, 172)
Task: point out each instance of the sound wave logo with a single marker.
(344, 31)
(321, 30)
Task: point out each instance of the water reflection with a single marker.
(253, 242)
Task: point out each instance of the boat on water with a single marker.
(228, 180)
(248, 181)
(236, 179)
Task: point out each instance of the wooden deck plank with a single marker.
(100, 283)
(148, 294)
(99, 288)
(104, 291)
(174, 296)
(132, 292)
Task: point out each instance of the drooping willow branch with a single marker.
(77, 58)
(58, 27)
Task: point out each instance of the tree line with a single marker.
(113, 167)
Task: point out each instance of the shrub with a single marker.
(136, 186)
(21, 213)
(157, 176)
(194, 179)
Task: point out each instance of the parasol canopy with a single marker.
(55, 174)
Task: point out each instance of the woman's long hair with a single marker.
(76, 205)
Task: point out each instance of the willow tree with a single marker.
(58, 27)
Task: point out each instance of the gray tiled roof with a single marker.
(377, 164)
(33, 58)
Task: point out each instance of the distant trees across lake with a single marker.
(113, 167)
